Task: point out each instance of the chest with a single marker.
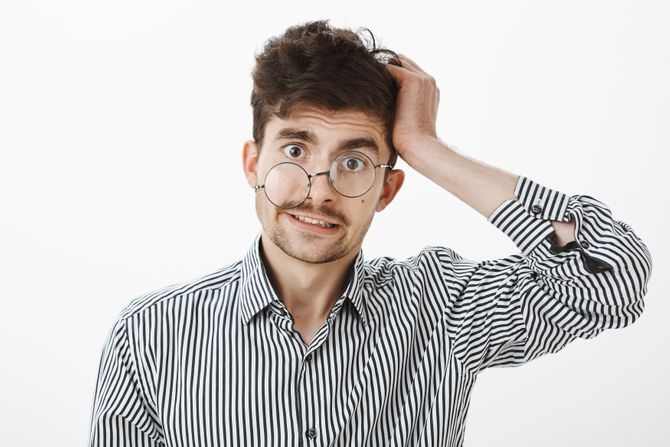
(386, 383)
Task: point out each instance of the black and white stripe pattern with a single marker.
(215, 362)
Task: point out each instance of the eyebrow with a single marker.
(290, 133)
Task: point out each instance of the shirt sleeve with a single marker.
(120, 415)
(511, 310)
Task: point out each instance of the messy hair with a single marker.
(335, 69)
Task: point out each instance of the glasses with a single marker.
(352, 174)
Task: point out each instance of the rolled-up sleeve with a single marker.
(514, 309)
(121, 415)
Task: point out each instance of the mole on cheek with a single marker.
(362, 200)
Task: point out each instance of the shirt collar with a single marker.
(257, 292)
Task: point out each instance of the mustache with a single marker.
(325, 212)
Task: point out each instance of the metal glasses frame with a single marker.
(330, 180)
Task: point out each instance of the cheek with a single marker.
(261, 205)
(257, 201)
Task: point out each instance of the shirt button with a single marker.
(310, 433)
(308, 357)
(584, 243)
(536, 209)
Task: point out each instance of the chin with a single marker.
(313, 252)
(308, 248)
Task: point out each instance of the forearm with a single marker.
(482, 186)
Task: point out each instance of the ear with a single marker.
(249, 161)
(392, 185)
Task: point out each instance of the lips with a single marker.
(313, 219)
(316, 228)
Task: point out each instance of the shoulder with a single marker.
(430, 254)
(218, 279)
(436, 258)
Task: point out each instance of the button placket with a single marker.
(306, 396)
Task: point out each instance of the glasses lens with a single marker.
(286, 185)
(352, 174)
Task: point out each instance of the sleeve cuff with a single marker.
(526, 220)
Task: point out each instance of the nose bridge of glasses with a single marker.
(328, 185)
(316, 174)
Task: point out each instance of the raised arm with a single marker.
(579, 272)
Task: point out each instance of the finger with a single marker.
(405, 72)
(400, 74)
(410, 63)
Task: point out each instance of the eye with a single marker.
(352, 164)
(292, 150)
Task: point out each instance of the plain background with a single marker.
(121, 131)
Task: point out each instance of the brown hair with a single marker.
(332, 68)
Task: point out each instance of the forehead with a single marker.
(325, 128)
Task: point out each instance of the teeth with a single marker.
(313, 221)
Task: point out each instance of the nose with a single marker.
(321, 190)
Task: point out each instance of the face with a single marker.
(320, 138)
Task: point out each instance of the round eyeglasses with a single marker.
(352, 174)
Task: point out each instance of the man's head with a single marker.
(330, 87)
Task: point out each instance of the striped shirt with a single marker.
(214, 361)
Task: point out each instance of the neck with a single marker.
(308, 291)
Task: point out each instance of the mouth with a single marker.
(312, 224)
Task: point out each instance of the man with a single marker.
(302, 342)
